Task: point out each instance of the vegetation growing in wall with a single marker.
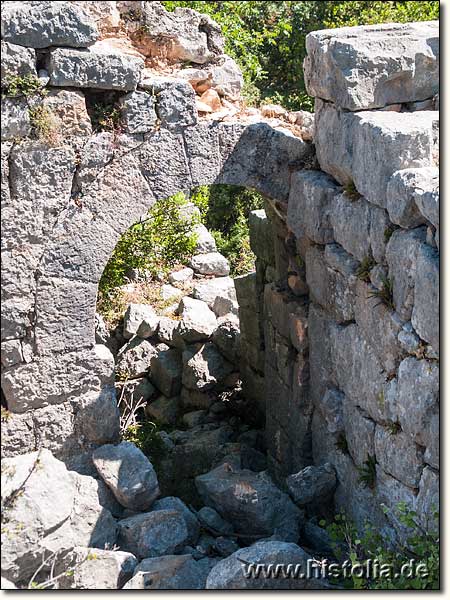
(14, 86)
(267, 39)
(369, 546)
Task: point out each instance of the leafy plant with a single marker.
(145, 435)
(393, 427)
(105, 117)
(14, 86)
(385, 295)
(44, 125)
(366, 265)
(368, 472)
(368, 544)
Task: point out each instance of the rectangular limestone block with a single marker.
(363, 150)
(366, 67)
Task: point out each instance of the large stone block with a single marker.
(175, 100)
(350, 220)
(398, 455)
(17, 61)
(99, 67)
(44, 24)
(373, 66)
(310, 202)
(261, 235)
(428, 499)
(364, 149)
(402, 254)
(138, 112)
(425, 312)
(359, 432)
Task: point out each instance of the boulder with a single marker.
(167, 330)
(227, 338)
(166, 371)
(182, 276)
(211, 263)
(94, 569)
(211, 519)
(138, 113)
(205, 368)
(261, 235)
(44, 24)
(169, 293)
(100, 67)
(250, 502)
(188, 36)
(32, 526)
(356, 69)
(197, 323)
(163, 410)
(134, 359)
(168, 573)
(136, 390)
(173, 503)
(235, 573)
(209, 290)
(223, 76)
(204, 240)
(312, 484)
(425, 313)
(155, 533)
(17, 61)
(128, 473)
(142, 318)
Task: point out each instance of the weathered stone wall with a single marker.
(345, 367)
(351, 320)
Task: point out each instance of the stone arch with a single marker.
(114, 182)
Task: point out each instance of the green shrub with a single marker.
(146, 436)
(155, 245)
(21, 85)
(369, 544)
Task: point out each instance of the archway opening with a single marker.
(168, 311)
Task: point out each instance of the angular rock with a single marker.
(175, 100)
(331, 408)
(15, 119)
(94, 569)
(312, 484)
(359, 433)
(398, 455)
(205, 368)
(309, 207)
(152, 534)
(166, 330)
(136, 390)
(128, 473)
(168, 573)
(165, 411)
(223, 76)
(194, 418)
(377, 140)
(425, 313)
(211, 263)
(350, 220)
(89, 407)
(100, 67)
(380, 226)
(182, 276)
(69, 116)
(205, 241)
(44, 24)
(357, 68)
(250, 502)
(261, 235)
(227, 338)
(169, 293)
(402, 255)
(401, 197)
(230, 573)
(134, 359)
(142, 318)
(426, 193)
(138, 112)
(193, 37)
(197, 323)
(17, 61)
(173, 503)
(210, 290)
(225, 546)
(428, 500)
(166, 371)
(211, 519)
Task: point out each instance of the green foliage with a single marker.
(105, 117)
(14, 86)
(146, 436)
(385, 295)
(369, 545)
(225, 210)
(363, 271)
(351, 192)
(267, 39)
(44, 124)
(154, 245)
(393, 427)
(368, 472)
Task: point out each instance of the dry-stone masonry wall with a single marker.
(339, 322)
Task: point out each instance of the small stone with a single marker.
(167, 573)
(128, 473)
(166, 371)
(142, 318)
(225, 546)
(197, 323)
(212, 99)
(182, 276)
(211, 263)
(134, 359)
